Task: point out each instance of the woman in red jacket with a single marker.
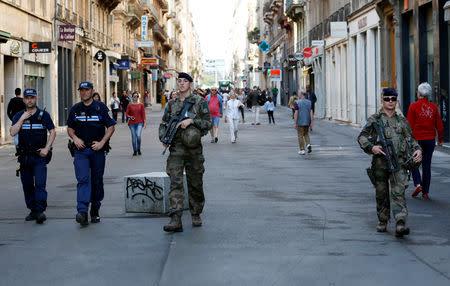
(136, 115)
(424, 119)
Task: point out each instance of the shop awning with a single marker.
(4, 36)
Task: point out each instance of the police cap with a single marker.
(86, 85)
(389, 92)
(29, 92)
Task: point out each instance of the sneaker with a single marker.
(401, 229)
(417, 191)
(134, 153)
(425, 196)
(309, 148)
(216, 139)
(301, 152)
(139, 152)
(82, 219)
(381, 227)
(40, 218)
(31, 216)
(212, 140)
(196, 221)
(95, 217)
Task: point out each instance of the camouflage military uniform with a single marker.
(397, 130)
(187, 158)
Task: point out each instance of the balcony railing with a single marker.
(277, 39)
(160, 32)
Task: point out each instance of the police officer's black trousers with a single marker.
(33, 174)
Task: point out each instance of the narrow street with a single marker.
(272, 217)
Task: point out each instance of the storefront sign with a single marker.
(67, 33)
(148, 44)
(264, 46)
(149, 61)
(338, 30)
(275, 75)
(154, 75)
(317, 43)
(123, 65)
(299, 56)
(144, 20)
(100, 56)
(40, 47)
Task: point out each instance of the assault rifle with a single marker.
(172, 126)
(388, 148)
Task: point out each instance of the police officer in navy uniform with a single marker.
(32, 124)
(90, 126)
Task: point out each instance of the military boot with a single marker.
(31, 216)
(174, 225)
(401, 229)
(95, 217)
(381, 227)
(40, 218)
(196, 220)
(82, 218)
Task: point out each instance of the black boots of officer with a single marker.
(401, 229)
(95, 217)
(39, 217)
(82, 218)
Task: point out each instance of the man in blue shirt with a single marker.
(31, 125)
(90, 126)
(303, 120)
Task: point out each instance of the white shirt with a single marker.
(116, 102)
(233, 108)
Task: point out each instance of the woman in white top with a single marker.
(115, 105)
(232, 114)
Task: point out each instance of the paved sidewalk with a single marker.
(271, 217)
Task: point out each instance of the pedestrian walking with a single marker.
(254, 100)
(311, 96)
(34, 152)
(115, 105)
(424, 119)
(269, 107)
(124, 101)
(291, 104)
(186, 153)
(303, 120)
(275, 95)
(96, 96)
(137, 121)
(397, 130)
(146, 98)
(90, 127)
(215, 104)
(14, 106)
(242, 97)
(232, 113)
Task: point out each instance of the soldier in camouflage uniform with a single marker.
(397, 130)
(186, 154)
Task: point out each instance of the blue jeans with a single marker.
(89, 168)
(427, 150)
(124, 110)
(33, 175)
(136, 131)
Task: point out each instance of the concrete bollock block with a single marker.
(149, 193)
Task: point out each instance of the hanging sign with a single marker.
(100, 56)
(40, 47)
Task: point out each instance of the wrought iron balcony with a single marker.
(160, 32)
(110, 4)
(294, 9)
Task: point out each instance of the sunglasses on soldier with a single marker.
(390, 98)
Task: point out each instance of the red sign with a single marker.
(307, 52)
(275, 72)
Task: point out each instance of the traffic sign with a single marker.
(317, 43)
(307, 52)
(264, 46)
(298, 56)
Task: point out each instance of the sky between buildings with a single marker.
(212, 20)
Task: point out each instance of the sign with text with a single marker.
(100, 56)
(144, 20)
(40, 47)
(67, 33)
(148, 44)
(307, 52)
(123, 64)
(275, 75)
(149, 61)
(317, 43)
(338, 30)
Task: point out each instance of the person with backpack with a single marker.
(215, 104)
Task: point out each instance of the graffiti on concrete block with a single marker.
(144, 187)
